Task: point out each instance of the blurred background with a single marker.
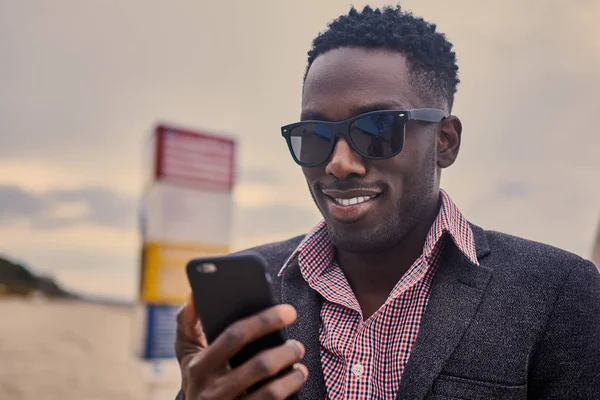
(84, 83)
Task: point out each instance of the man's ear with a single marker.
(448, 141)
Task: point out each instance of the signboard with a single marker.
(164, 278)
(186, 214)
(161, 328)
(194, 159)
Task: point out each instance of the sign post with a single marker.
(186, 214)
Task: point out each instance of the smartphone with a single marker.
(228, 288)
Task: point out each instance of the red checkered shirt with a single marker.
(365, 359)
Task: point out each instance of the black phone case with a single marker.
(229, 288)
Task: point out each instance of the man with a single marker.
(395, 295)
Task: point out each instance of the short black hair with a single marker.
(432, 63)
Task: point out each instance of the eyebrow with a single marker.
(315, 115)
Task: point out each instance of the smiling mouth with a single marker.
(348, 207)
(350, 204)
(352, 200)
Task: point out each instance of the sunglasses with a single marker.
(375, 135)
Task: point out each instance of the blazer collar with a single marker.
(296, 291)
(456, 292)
(482, 247)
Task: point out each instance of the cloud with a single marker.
(16, 202)
(101, 207)
(55, 209)
(512, 189)
(106, 208)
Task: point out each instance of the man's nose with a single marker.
(344, 162)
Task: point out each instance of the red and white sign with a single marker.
(194, 159)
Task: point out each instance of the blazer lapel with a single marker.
(456, 292)
(295, 291)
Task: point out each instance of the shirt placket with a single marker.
(358, 366)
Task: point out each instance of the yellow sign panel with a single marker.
(164, 279)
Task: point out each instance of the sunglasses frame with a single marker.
(343, 128)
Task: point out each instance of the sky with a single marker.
(83, 83)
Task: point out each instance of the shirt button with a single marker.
(358, 369)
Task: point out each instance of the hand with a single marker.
(204, 370)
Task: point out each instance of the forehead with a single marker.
(343, 81)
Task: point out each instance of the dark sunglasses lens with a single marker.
(378, 135)
(311, 142)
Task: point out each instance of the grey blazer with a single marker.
(525, 324)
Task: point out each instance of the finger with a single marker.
(188, 321)
(283, 387)
(245, 331)
(189, 311)
(265, 365)
(190, 337)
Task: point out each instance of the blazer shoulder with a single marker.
(276, 253)
(521, 248)
(521, 256)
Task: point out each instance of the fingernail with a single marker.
(290, 309)
(303, 370)
(299, 346)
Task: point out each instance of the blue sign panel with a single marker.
(161, 328)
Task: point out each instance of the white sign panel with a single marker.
(185, 215)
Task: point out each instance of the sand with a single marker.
(71, 350)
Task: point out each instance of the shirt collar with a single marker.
(449, 221)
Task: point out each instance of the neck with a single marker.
(372, 276)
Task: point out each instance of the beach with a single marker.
(53, 349)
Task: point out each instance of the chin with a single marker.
(355, 239)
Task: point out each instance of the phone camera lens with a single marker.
(207, 268)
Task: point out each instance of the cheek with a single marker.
(405, 164)
(312, 174)
(419, 149)
(408, 168)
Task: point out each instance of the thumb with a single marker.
(192, 323)
(190, 336)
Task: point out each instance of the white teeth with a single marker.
(354, 200)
